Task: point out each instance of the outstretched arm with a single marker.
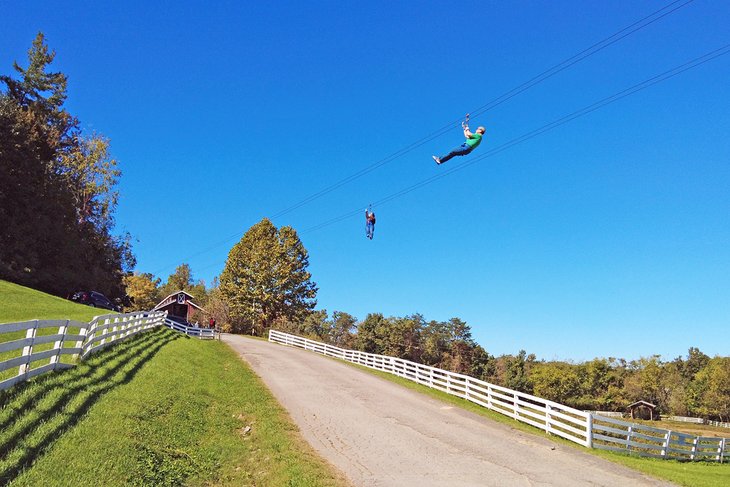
(467, 132)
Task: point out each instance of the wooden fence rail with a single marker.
(39, 351)
(584, 428)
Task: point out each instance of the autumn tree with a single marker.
(265, 278)
(713, 382)
(143, 291)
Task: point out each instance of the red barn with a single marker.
(179, 304)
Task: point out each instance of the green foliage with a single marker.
(57, 196)
(265, 279)
(556, 381)
(182, 280)
(92, 176)
(143, 291)
(713, 383)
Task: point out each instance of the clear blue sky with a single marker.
(609, 236)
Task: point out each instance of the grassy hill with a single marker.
(19, 303)
(159, 408)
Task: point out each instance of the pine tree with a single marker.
(266, 279)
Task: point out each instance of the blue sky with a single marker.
(608, 236)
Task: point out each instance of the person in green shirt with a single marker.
(471, 143)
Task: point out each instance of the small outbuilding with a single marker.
(643, 410)
(180, 305)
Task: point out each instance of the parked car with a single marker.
(94, 299)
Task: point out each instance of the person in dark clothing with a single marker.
(369, 224)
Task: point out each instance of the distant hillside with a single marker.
(19, 303)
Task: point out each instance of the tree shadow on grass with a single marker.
(37, 413)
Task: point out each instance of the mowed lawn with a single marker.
(159, 409)
(19, 303)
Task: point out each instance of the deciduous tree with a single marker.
(266, 278)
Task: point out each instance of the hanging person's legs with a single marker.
(462, 150)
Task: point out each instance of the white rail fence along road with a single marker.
(204, 333)
(39, 352)
(578, 426)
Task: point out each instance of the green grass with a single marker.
(158, 409)
(691, 474)
(18, 303)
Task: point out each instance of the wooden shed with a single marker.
(643, 410)
(179, 304)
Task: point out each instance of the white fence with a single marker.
(205, 333)
(37, 353)
(610, 414)
(615, 435)
(685, 419)
(584, 428)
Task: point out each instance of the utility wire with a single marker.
(541, 130)
(550, 72)
(561, 66)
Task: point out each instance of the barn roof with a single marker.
(172, 298)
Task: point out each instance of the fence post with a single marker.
(665, 446)
(589, 431)
(723, 445)
(548, 419)
(58, 345)
(628, 438)
(28, 349)
(694, 448)
(80, 343)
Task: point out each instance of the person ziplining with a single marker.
(472, 142)
(369, 223)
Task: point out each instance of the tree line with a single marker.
(57, 188)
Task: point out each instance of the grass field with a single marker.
(691, 474)
(18, 303)
(160, 409)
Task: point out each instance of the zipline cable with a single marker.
(550, 72)
(561, 66)
(534, 133)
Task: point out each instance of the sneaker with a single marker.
(438, 161)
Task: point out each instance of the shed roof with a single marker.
(642, 403)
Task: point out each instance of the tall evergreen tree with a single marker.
(266, 279)
(57, 193)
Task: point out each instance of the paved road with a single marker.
(381, 434)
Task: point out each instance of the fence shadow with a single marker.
(37, 413)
